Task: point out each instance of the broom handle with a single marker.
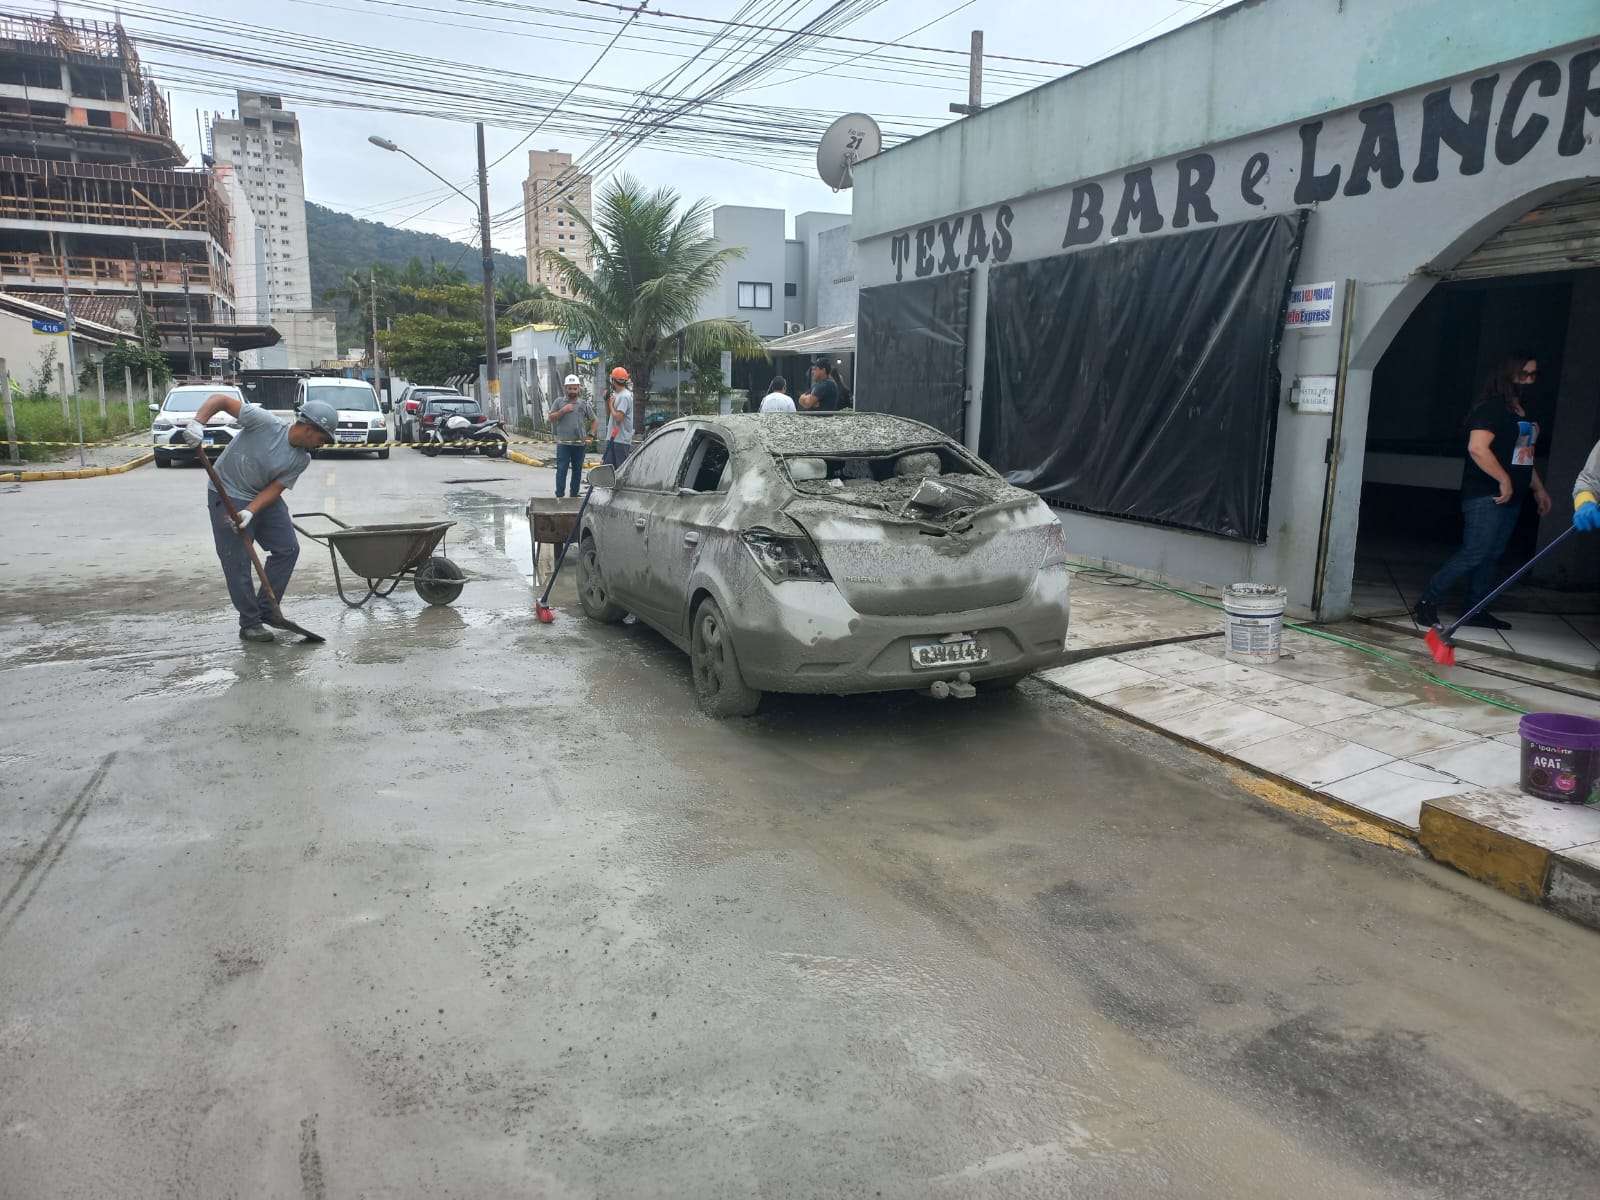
(1515, 575)
(249, 545)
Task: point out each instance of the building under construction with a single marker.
(95, 198)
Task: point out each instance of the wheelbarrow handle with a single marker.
(316, 537)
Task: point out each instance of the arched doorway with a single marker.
(1531, 287)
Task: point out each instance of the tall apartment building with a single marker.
(551, 183)
(261, 140)
(94, 196)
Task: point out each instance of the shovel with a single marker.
(278, 619)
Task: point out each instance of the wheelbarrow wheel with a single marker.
(439, 581)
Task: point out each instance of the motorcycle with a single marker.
(456, 432)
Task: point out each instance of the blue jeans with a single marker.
(568, 458)
(1486, 529)
(271, 531)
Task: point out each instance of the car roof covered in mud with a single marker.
(827, 435)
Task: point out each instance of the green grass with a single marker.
(40, 421)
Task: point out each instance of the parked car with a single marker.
(408, 413)
(363, 427)
(177, 410)
(827, 553)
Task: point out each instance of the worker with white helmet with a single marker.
(262, 462)
(571, 425)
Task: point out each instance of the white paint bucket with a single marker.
(1253, 621)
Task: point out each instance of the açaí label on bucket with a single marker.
(1557, 771)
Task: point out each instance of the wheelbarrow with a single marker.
(550, 521)
(383, 555)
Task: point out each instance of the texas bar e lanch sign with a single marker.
(1506, 131)
(1311, 305)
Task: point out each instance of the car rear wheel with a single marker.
(592, 594)
(719, 685)
(163, 460)
(383, 454)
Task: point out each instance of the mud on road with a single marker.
(464, 905)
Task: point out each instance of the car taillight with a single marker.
(479, 420)
(427, 420)
(785, 556)
(1055, 547)
(412, 406)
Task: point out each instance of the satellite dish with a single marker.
(125, 319)
(851, 139)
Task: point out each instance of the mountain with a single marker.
(339, 243)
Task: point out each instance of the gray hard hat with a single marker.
(321, 414)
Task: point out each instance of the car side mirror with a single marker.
(603, 476)
(155, 408)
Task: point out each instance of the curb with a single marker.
(78, 473)
(542, 462)
(1565, 881)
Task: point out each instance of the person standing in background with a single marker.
(777, 397)
(1497, 475)
(619, 414)
(823, 395)
(571, 425)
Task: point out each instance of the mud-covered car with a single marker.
(830, 553)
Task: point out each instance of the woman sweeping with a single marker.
(1497, 475)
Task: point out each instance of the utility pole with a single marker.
(72, 362)
(188, 316)
(491, 335)
(138, 283)
(974, 104)
(377, 378)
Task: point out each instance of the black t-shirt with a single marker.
(1513, 444)
(827, 395)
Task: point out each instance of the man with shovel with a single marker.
(263, 461)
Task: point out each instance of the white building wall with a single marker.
(836, 290)
(809, 228)
(760, 233)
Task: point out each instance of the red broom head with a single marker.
(1443, 652)
(546, 614)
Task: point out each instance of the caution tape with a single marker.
(142, 445)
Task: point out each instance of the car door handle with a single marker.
(638, 522)
(691, 539)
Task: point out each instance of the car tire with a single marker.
(592, 595)
(431, 449)
(719, 686)
(163, 460)
(383, 453)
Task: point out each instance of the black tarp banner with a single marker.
(1140, 380)
(911, 351)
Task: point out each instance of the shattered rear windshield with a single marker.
(829, 435)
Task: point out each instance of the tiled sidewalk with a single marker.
(1378, 736)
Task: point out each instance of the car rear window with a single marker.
(446, 404)
(829, 434)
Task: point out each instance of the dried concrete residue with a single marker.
(859, 433)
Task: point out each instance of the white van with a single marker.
(363, 427)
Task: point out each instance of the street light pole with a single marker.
(492, 359)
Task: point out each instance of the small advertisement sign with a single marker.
(1311, 305)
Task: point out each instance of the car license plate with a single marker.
(958, 650)
(351, 437)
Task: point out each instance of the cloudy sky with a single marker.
(341, 63)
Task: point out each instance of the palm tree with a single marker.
(514, 289)
(653, 264)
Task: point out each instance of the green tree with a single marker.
(425, 348)
(128, 354)
(514, 289)
(654, 261)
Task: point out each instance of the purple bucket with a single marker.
(1561, 758)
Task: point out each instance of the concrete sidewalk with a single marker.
(1377, 730)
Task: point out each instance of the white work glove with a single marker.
(242, 521)
(194, 433)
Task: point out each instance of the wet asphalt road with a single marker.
(463, 905)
